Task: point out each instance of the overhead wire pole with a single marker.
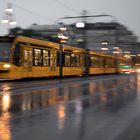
(30, 11)
(83, 17)
(76, 17)
(9, 16)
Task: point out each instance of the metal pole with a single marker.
(60, 60)
(86, 62)
(84, 38)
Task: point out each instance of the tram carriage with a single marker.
(24, 57)
(102, 63)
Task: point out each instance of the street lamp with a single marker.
(63, 29)
(8, 17)
(62, 39)
(66, 33)
(9, 8)
(80, 25)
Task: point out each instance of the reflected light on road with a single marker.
(103, 97)
(5, 102)
(61, 116)
(26, 103)
(5, 133)
(78, 107)
(115, 93)
(138, 83)
(6, 87)
(92, 87)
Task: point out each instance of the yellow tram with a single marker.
(24, 57)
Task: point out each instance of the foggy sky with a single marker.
(48, 11)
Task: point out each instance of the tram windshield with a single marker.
(5, 51)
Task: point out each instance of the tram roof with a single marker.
(42, 42)
(107, 55)
(101, 54)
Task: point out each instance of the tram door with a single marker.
(27, 61)
(53, 62)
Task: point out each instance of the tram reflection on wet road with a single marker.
(74, 112)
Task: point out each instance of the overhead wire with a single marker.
(30, 11)
(33, 13)
(44, 17)
(66, 6)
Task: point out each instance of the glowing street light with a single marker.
(116, 48)
(127, 52)
(104, 43)
(80, 25)
(115, 52)
(9, 8)
(63, 29)
(104, 49)
(5, 21)
(8, 17)
(12, 22)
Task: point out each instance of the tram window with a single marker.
(77, 60)
(5, 51)
(46, 58)
(58, 59)
(51, 59)
(110, 63)
(73, 60)
(30, 60)
(93, 61)
(25, 58)
(67, 60)
(101, 62)
(37, 57)
(16, 57)
(113, 63)
(55, 60)
(96, 61)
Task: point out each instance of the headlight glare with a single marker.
(7, 66)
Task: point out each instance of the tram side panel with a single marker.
(33, 61)
(37, 58)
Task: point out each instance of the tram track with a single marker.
(18, 87)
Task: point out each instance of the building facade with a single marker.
(112, 38)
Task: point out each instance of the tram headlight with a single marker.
(138, 70)
(7, 66)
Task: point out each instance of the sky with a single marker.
(42, 12)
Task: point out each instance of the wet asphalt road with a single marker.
(99, 108)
